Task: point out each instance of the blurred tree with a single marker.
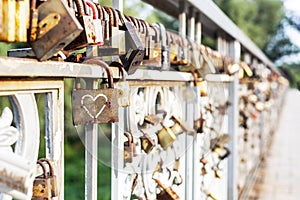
(280, 44)
(259, 19)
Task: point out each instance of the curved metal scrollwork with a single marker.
(17, 167)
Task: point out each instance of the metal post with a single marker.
(118, 4)
(198, 29)
(55, 132)
(91, 153)
(191, 22)
(182, 17)
(235, 54)
(233, 131)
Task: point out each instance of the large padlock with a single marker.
(98, 105)
(167, 193)
(88, 35)
(42, 185)
(129, 148)
(52, 177)
(122, 86)
(147, 143)
(134, 48)
(166, 137)
(181, 126)
(57, 27)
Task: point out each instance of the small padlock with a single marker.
(165, 52)
(154, 58)
(41, 185)
(199, 124)
(22, 18)
(167, 193)
(52, 177)
(181, 126)
(147, 143)
(128, 148)
(57, 27)
(135, 50)
(153, 119)
(122, 86)
(97, 22)
(88, 35)
(166, 137)
(98, 105)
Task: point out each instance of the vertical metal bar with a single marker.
(198, 29)
(91, 153)
(118, 4)
(55, 133)
(235, 54)
(117, 157)
(182, 17)
(191, 22)
(233, 131)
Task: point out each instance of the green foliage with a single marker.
(259, 19)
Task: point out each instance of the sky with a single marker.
(294, 6)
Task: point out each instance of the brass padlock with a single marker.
(8, 13)
(147, 143)
(166, 137)
(153, 119)
(128, 148)
(57, 27)
(42, 185)
(154, 47)
(181, 126)
(167, 193)
(52, 177)
(98, 105)
(122, 86)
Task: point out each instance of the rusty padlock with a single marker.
(88, 35)
(96, 21)
(122, 86)
(57, 27)
(147, 143)
(181, 126)
(166, 137)
(42, 185)
(52, 177)
(128, 148)
(98, 105)
(135, 50)
(167, 193)
(154, 47)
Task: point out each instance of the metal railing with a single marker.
(197, 162)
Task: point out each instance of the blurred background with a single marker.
(273, 25)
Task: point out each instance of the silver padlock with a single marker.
(97, 22)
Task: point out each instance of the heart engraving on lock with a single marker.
(87, 102)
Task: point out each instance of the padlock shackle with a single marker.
(80, 7)
(101, 63)
(50, 165)
(121, 69)
(43, 167)
(112, 22)
(129, 137)
(116, 17)
(93, 8)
